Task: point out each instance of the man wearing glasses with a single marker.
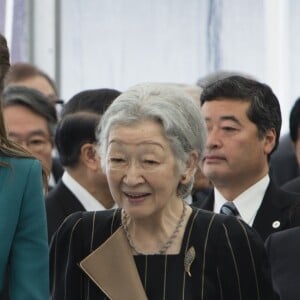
(31, 120)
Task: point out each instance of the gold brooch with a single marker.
(188, 260)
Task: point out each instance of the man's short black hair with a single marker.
(73, 131)
(264, 110)
(95, 101)
(295, 120)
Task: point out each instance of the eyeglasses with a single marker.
(34, 144)
(55, 101)
(59, 101)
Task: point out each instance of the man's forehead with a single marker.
(225, 108)
(30, 133)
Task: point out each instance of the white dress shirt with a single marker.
(51, 180)
(189, 199)
(89, 202)
(248, 202)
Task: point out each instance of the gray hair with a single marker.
(33, 100)
(181, 120)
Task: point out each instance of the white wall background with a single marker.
(119, 43)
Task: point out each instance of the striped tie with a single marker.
(229, 209)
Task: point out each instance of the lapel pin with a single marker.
(188, 260)
(275, 224)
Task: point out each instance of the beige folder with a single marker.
(112, 268)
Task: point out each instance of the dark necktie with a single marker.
(229, 209)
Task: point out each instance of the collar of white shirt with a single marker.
(51, 180)
(189, 199)
(248, 202)
(89, 202)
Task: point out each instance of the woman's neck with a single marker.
(160, 235)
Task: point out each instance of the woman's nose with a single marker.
(133, 175)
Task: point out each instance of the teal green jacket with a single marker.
(23, 230)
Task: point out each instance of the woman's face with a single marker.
(141, 169)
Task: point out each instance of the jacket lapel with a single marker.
(70, 202)
(112, 268)
(270, 216)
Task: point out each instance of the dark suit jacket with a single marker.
(229, 261)
(284, 255)
(57, 169)
(283, 162)
(292, 186)
(277, 205)
(60, 203)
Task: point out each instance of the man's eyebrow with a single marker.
(226, 118)
(230, 118)
(30, 134)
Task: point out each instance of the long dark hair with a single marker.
(8, 147)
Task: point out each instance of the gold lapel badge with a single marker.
(188, 260)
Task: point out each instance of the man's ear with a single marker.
(191, 167)
(89, 156)
(269, 140)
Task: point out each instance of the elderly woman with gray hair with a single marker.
(155, 246)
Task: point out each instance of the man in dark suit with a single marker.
(283, 251)
(286, 159)
(83, 186)
(243, 119)
(31, 120)
(283, 163)
(293, 185)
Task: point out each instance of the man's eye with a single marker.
(150, 162)
(227, 128)
(37, 142)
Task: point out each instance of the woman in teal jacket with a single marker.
(23, 233)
